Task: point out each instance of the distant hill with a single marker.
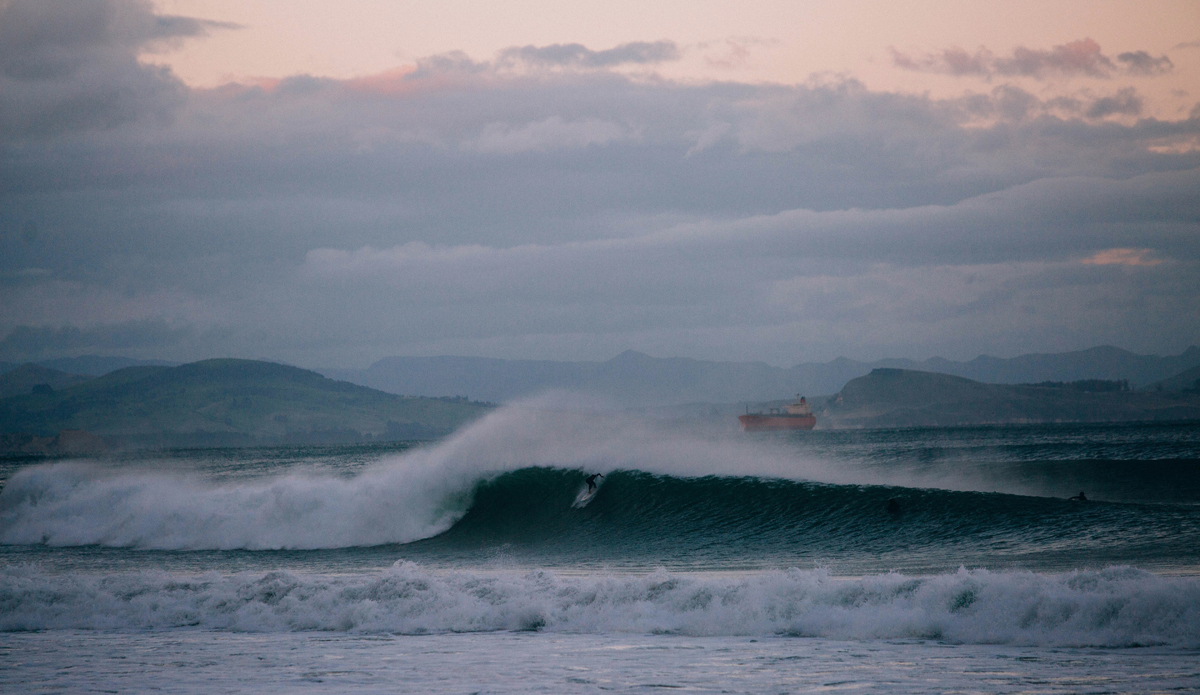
(24, 378)
(90, 365)
(1188, 379)
(229, 402)
(633, 379)
(904, 398)
(1104, 362)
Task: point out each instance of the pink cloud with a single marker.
(950, 61)
(1083, 57)
(1134, 257)
(395, 81)
(735, 54)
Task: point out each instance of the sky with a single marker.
(327, 184)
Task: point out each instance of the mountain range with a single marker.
(633, 379)
(222, 402)
(905, 398)
(230, 402)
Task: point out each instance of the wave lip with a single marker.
(1114, 607)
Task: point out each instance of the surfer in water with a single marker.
(1079, 498)
(591, 482)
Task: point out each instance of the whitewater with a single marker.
(922, 560)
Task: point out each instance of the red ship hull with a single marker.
(773, 422)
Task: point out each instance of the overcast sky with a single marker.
(331, 183)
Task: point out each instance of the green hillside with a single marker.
(229, 402)
(906, 398)
(23, 379)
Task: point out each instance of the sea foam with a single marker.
(1115, 607)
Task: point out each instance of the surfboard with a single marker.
(584, 497)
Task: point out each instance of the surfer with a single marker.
(591, 482)
(1079, 498)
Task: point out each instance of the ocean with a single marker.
(884, 561)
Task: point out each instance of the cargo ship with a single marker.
(794, 416)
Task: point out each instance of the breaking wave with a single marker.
(670, 498)
(402, 498)
(1114, 607)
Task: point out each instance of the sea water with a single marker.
(915, 560)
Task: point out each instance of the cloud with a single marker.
(1040, 220)
(733, 52)
(951, 61)
(1132, 257)
(551, 133)
(578, 55)
(458, 68)
(1125, 102)
(1007, 103)
(67, 66)
(1142, 63)
(449, 63)
(1002, 267)
(1014, 104)
(1081, 58)
(845, 276)
(530, 210)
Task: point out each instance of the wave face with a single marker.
(1115, 607)
(722, 522)
(503, 490)
(635, 520)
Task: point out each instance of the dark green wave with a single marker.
(719, 522)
